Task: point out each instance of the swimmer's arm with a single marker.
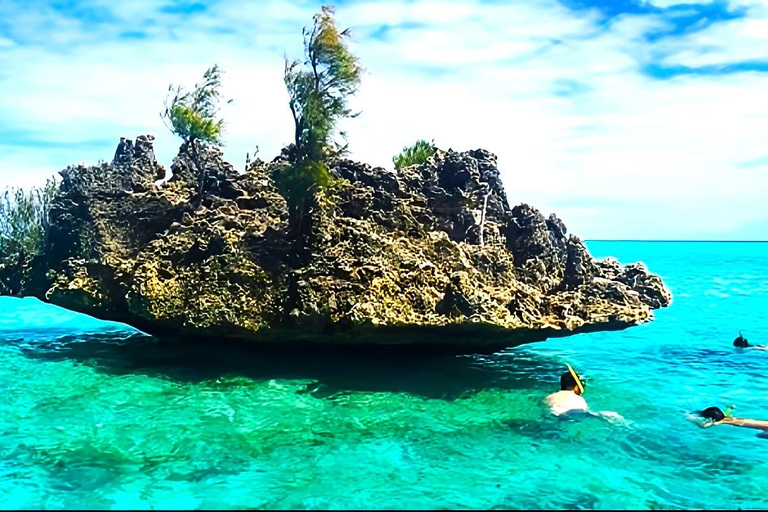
(743, 422)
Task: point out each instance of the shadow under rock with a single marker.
(335, 370)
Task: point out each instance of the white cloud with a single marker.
(671, 3)
(737, 40)
(652, 155)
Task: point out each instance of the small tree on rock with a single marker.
(319, 89)
(192, 116)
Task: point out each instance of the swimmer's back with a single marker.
(564, 401)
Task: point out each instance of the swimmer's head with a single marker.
(741, 341)
(712, 413)
(569, 382)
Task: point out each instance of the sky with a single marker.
(629, 119)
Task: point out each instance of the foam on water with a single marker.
(94, 415)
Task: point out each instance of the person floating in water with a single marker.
(714, 416)
(569, 398)
(741, 342)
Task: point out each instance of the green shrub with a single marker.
(297, 182)
(417, 154)
(24, 220)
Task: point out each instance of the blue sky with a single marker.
(643, 119)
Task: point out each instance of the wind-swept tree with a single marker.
(319, 88)
(192, 116)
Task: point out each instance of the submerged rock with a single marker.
(430, 254)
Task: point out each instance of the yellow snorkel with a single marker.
(576, 377)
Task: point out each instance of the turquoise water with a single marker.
(94, 415)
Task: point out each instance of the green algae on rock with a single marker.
(430, 254)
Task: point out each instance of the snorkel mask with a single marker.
(579, 382)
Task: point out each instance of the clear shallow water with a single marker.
(93, 415)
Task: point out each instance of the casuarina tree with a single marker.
(319, 88)
(192, 115)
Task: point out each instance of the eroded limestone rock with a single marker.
(393, 258)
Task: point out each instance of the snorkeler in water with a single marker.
(570, 400)
(569, 397)
(741, 342)
(714, 416)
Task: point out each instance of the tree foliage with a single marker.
(416, 154)
(297, 181)
(319, 89)
(192, 114)
(24, 220)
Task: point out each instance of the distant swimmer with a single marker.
(741, 342)
(569, 397)
(714, 416)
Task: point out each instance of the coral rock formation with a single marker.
(431, 254)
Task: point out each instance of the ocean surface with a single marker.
(95, 415)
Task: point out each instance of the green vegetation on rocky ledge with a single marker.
(430, 253)
(416, 154)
